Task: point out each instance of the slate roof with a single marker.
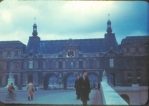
(12, 44)
(135, 39)
(85, 45)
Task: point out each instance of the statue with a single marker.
(104, 74)
(11, 80)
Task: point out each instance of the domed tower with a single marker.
(110, 40)
(109, 29)
(35, 33)
(34, 41)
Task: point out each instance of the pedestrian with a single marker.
(11, 90)
(30, 90)
(77, 87)
(98, 85)
(84, 87)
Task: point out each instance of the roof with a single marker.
(85, 45)
(12, 44)
(135, 39)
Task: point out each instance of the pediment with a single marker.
(111, 53)
(30, 55)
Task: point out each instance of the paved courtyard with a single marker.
(53, 97)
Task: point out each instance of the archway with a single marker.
(112, 79)
(126, 98)
(69, 80)
(93, 78)
(30, 78)
(50, 81)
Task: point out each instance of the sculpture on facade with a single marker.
(104, 74)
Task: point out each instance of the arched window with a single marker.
(93, 80)
(53, 82)
(71, 81)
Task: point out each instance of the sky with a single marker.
(58, 20)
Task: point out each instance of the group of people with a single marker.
(30, 90)
(82, 86)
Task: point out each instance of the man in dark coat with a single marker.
(84, 88)
(77, 87)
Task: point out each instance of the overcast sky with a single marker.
(72, 19)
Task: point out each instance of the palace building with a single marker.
(54, 64)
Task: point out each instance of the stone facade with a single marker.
(57, 62)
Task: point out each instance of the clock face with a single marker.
(70, 53)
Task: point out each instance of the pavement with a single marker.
(53, 97)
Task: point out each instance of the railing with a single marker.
(109, 95)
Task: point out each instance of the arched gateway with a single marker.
(50, 81)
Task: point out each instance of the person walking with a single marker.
(77, 87)
(30, 90)
(84, 87)
(11, 90)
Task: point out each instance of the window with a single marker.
(91, 63)
(136, 49)
(60, 64)
(16, 53)
(111, 63)
(43, 65)
(30, 64)
(71, 64)
(146, 49)
(16, 65)
(80, 64)
(60, 55)
(25, 65)
(8, 65)
(129, 78)
(1, 52)
(39, 64)
(127, 49)
(8, 52)
(50, 64)
(139, 77)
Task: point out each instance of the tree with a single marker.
(1, 0)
